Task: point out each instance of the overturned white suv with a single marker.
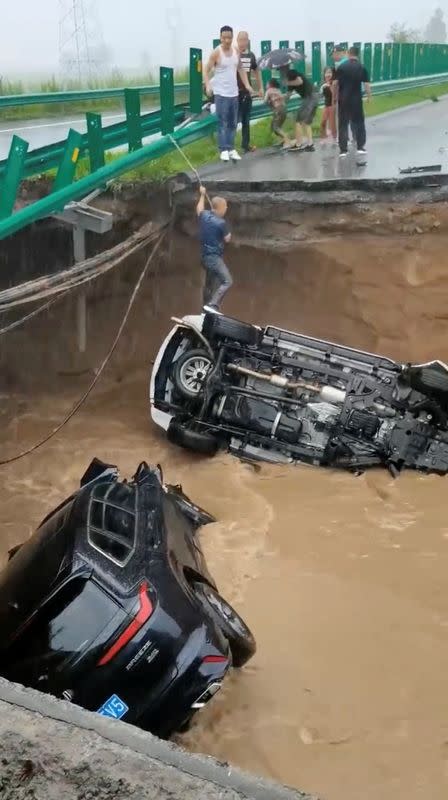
(268, 394)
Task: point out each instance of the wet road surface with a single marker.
(40, 132)
(414, 136)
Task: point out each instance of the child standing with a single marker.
(329, 109)
(277, 101)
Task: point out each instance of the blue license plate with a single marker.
(114, 707)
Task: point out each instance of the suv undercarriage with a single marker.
(274, 395)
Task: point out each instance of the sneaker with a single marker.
(234, 155)
(225, 155)
(211, 309)
(309, 148)
(361, 151)
(343, 155)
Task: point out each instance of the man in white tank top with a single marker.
(225, 63)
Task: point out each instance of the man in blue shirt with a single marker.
(213, 234)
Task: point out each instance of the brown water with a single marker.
(342, 579)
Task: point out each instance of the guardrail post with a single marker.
(13, 175)
(95, 139)
(344, 45)
(395, 68)
(329, 50)
(133, 118)
(69, 161)
(387, 61)
(283, 44)
(300, 46)
(405, 70)
(216, 43)
(367, 58)
(413, 60)
(266, 47)
(358, 45)
(167, 100)
(195, 80)
(316, 62)
(377, 62)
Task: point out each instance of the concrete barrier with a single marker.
(50, 749)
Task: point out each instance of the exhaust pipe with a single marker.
(328, 394)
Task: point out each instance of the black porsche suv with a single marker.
(269, 394)
(110, 604)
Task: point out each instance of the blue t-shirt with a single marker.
(212, 230)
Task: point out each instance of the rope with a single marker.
(101, 369)
(193, 169)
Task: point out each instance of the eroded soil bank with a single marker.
(343, 579)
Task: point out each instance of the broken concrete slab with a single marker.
(52, 749)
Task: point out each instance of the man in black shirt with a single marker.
(298, 82)
(250, 66)
(350, 77)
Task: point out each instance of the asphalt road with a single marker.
(39, 132)
(413, 136)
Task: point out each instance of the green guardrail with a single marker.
(64, 156)
(43, 98)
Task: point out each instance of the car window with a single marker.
(59, 632)
(112, 521)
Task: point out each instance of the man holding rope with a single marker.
(214, 234)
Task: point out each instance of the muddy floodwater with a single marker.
(343, 579)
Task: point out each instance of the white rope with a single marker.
(193, 169)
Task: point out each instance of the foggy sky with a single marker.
(29, 28)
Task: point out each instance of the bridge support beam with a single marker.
(82, 218)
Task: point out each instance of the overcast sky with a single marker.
(29, 28)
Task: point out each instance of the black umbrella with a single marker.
(277, 59)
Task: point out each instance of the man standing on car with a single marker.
(214, 234)
(225, 63)
(250, 66)
(350, 77)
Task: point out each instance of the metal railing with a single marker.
(91, 95)
(64, 156)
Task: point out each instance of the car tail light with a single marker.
(214, 659)
(143, 614)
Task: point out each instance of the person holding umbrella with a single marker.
(306, 112)
(285, 61)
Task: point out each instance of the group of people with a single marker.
(229, 75)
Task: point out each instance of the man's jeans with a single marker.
(227, 114)
(218, 280)
(245, 108)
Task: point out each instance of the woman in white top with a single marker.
(225, 63)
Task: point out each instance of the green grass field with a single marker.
(116, 80)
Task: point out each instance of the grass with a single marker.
(115, 80)
(204, 151)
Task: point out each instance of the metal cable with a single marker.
(101, 369)
(73, 276)
(18, 322)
